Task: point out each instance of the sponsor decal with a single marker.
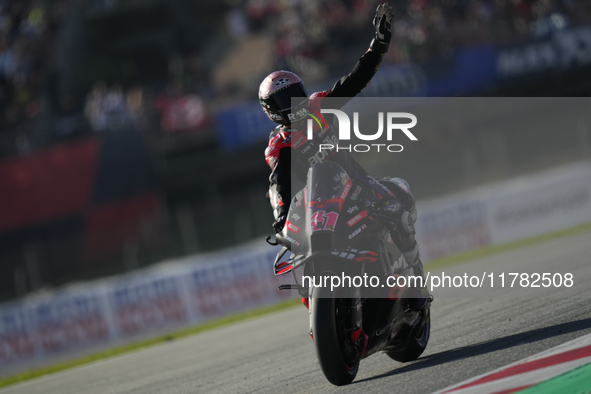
(296, 217)
(293, 241)
(346, 191)
(359, 229)
(352, 209)
(323, 154)
(299, 114)
(321, 220)
(299, 197)
(293, 227)
(357, 218)
(341, 178)
(356, 193)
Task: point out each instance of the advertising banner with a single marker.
(17, 340)
(147, 302)
(558, 52)
(452, 227)
(535, 205)
(237, 281)
(168, 296)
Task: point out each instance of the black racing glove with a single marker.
(382, 22)
(391, 213)
(279, 223)
(388, 212)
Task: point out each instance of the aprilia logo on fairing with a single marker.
(345, 131)
(321, 155)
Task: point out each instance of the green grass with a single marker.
(490, 250)
(20, 377)
(440, 263)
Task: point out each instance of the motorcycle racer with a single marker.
(290, 152)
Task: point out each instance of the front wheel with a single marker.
(417, 341)
(336, 357)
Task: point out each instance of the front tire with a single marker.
(329, 338)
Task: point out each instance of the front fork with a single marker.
(353, 329)
(353, 315)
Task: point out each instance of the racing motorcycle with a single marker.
(332, 230)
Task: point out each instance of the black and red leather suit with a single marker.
(290, 153)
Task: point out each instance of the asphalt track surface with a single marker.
(274, 354)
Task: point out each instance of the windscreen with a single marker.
(326, 181)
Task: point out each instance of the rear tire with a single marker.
(417, 341)
(328, 334)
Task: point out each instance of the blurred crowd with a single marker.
(311, 37)
(28, 31)
(179, 106)
(424, 30)
(317, 39)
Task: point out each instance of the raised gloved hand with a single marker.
(279, 223)
(382, 22)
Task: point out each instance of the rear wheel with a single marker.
(336, 355)
(417, 341)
